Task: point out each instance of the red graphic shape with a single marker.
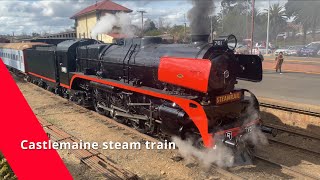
(19, 123)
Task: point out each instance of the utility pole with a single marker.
(142, 26)
(185, 29)
(12, 36)
(268, 26)
(252, 27)
(247, 19)
(222, 18)
(211, 28)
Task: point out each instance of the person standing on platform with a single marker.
(279, 60)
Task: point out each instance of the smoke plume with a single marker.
(199, 16)
(109, 21)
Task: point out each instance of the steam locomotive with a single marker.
(186, 90)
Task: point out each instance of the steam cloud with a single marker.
(221, 155)
(109, 21)
(199, 16)
(256, 137)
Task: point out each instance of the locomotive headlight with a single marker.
(226, 42)
(231, 42)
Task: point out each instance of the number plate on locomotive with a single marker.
(228, 98)
(249, 129)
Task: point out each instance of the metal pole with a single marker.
(185, 29)
(268, 26)
(185, 32)
(222, 18)
(142, 26)
(247, 19)
(252, 27)
(211, 31)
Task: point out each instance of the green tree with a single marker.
(177, 31)
(278, 20)
(305, 13)
(155, 32)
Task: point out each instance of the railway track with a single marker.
(226, 172)
(297, 132)
(289, 109)
(314, 138)
(295, 172)
(92, 158)
(222, 171)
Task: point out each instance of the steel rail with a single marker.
(293, 171)
(289, 109)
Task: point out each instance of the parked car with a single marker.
(242, 49)
(264, 51)
(282, 34)
(283, 50)
(310, 49)
(293, 50)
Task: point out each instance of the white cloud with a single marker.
(38, 16)
(27, 16)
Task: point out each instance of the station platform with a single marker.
(290, 86)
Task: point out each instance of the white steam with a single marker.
(106, 24)
(256, 137)
(222, 156)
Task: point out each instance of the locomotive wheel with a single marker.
(99, 110)
(139, 126)
(40, 84)
(120, 120)
(65, 95)
(57, 91)
(195, 139)
(28, 78)
(49, 88)
(162, 136)
(244, 154)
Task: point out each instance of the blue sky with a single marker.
(52, 16)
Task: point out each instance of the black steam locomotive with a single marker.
(158, 89)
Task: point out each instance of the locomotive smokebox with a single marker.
(200, 38)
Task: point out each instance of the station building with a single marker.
(86, 19)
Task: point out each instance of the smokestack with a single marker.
(200, 20)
